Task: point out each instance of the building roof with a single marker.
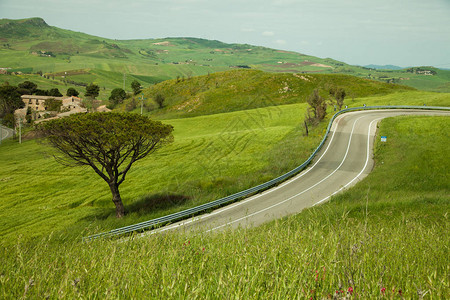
(41, 97)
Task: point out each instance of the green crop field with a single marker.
(381, 239)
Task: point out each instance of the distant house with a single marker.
(37, 104)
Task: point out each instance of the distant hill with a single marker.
(247, 89)
(69, 58)
(384, 67)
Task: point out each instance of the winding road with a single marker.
(344, 160)
(5, 132)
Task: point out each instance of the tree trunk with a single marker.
(120, 210)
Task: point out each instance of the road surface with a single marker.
(345, 159)
(5, 132)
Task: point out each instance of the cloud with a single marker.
(268, 33)
(280, 42)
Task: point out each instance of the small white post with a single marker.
(20, 130)
(1, 132)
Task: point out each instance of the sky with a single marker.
(359, 32)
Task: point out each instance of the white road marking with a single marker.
(302, 192)
(169, 227)
(3, 135)
(365, 166)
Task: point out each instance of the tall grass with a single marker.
(375, 241)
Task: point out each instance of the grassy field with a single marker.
(387, 237)
(212, 156)
(247, 89)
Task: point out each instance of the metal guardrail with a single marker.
(243, 194)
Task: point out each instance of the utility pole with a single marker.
(20, 130)
(142, 102)
(1, 132)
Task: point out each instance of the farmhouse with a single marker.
(40, 110)
(37, 103)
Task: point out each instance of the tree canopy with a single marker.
(92, 90)
(108, 142)
(72, 92)
(55, 92)
(117, 96)
(27, 87)
(136, 86)
(339, 95)
(10, 100)
(318, 106)
(159, 99)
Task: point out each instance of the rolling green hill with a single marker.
(248, 89)
(31, 45)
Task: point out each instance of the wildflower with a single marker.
(203, 249)
(350, 290)
(400, 292)
(383, 290)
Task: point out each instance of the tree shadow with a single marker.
(152, 203)
(143, 206)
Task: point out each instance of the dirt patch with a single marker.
(303, 77)
(190, 105)
(282, 51)
(166, 43)
(321, 65)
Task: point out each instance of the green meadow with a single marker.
(385, 238)
(212, 156)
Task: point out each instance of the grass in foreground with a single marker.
(380, 240)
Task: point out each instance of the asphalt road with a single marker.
(6, 132)
(345, 159)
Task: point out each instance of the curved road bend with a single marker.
(345, 159)
(6, 132)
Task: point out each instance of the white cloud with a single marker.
(268, 33)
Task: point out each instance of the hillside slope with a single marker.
(247, 89)
(31, 45)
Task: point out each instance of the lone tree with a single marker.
(136, 86)
(318, 106)
(10, 100)
(339, 95)
(159, 99)
(72, 92)
(117, 96)
(108, 142)
(92, 90)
